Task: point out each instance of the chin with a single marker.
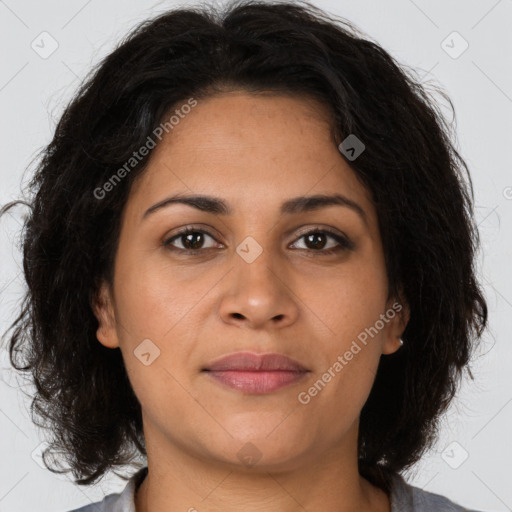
(259, 458)
(267, 446)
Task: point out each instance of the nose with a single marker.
(257, 295)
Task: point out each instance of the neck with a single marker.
(330, 482)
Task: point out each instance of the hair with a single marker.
(410, 166)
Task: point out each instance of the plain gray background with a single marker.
(470, 463)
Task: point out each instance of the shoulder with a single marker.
(408, 498)
(105, 505)
(118, 501)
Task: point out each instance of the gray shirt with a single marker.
(403, 497)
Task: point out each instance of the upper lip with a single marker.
(249, 361)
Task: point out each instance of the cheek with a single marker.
(152, 295)
(158, 302)
(346, 300)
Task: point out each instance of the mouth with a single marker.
(256, 373)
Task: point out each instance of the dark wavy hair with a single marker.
(410, 166)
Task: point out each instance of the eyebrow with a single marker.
(295, 205)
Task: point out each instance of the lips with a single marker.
(248, 361)
(256, 373)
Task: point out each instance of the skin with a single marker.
(254, 152)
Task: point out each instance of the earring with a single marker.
(401, 342)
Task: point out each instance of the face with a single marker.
(252, 279)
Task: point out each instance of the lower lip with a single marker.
(259, 382)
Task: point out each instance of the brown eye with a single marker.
(191, 240)
(321, 241)
(317, 240)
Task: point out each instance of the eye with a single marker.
(317, 239)
(191, 239)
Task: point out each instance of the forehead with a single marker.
(251, 150)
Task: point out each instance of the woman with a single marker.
(250, 259)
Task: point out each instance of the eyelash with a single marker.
(344, 243)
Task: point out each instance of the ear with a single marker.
(103, 308)
(398, 313)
